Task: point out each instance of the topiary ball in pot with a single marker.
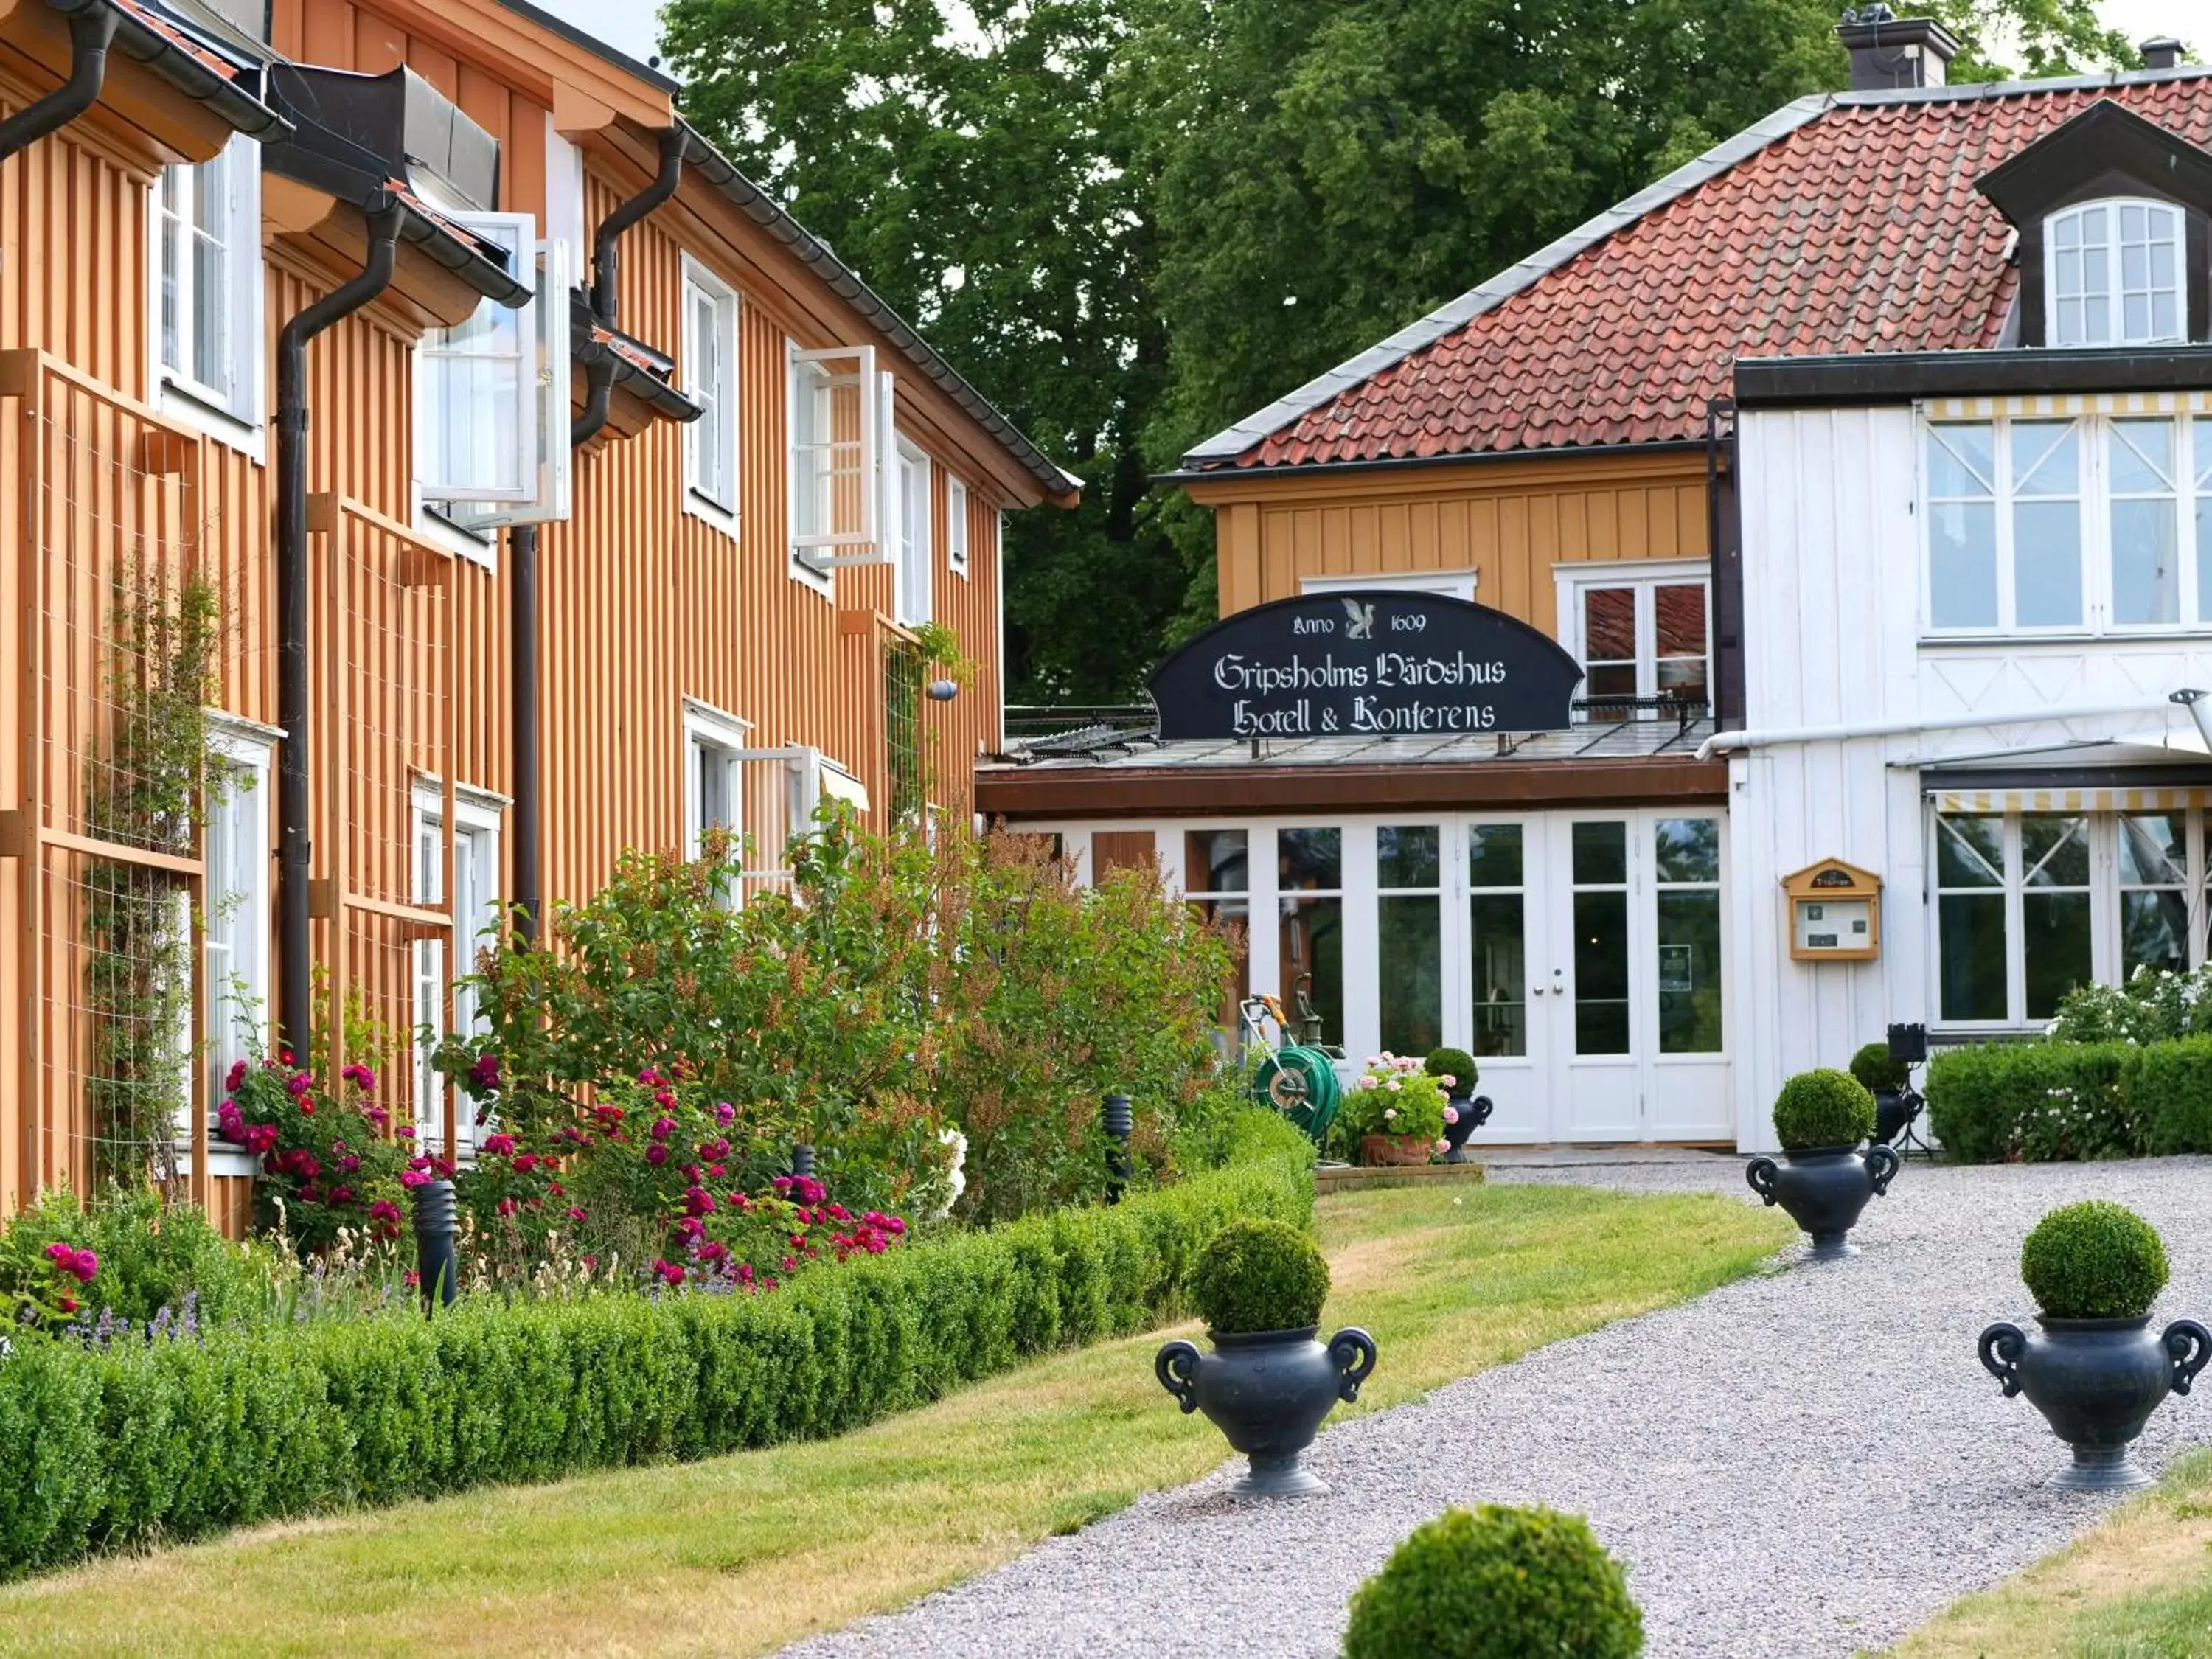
(1260, 1284)
(1496, 1581)
(2093, 1369)
(1877, 1072)
(2093, 1260)
(1463, 1114)
(1823, 1180)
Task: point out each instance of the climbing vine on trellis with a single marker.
(146, 778)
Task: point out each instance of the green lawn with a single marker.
(2137, 1586)
(744, 1553)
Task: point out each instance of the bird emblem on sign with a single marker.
(1363, 620)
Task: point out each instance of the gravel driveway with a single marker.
(1804, 1463)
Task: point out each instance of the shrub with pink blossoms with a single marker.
(325, 1151)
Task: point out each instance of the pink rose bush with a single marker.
(326, 1150)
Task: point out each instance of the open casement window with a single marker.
(710, 379)
(549, 326)
(714, 776)
(475, 887)
(207, 286)
(955, 526)
(2114, 274)
(844, 471)
(917, 557)
(482, 386)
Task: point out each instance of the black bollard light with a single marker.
(802, 1159)
(435, 1263)
(1118, 1120)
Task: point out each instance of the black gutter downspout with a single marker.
(91, 33)
(522, 540)
(1723, 539)
(295, 994)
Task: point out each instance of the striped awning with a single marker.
(2061, 404)
(2068, 800)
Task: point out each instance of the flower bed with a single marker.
(113, 1445)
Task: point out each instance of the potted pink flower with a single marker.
(1395, 1112)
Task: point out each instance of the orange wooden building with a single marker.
(531, 486)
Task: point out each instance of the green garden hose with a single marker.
(1301, 1084)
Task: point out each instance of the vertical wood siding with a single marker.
(1511, 524)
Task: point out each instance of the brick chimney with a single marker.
(1889, 52)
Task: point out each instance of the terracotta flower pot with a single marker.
(1389, 1149)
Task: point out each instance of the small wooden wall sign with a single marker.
(1834, 912)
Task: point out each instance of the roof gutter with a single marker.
(91, 33)
(1230, 473)
(295, 991)
(2198, 703)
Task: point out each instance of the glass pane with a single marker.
(1600, 972)
(1601, 853)
(1409, 855)
(2046, 458)
(1310, 858)
(1962, 459)
(2135, 316)
(1412, 972)
(2154, 852)
(1962, 552)
(171, 253)
(1690, 973)
(2056, 948)
(1684, 678)
(1494, 855)
(1216, 861)
(2153, 931)
(1608, 624)
(2164, 311)
(2141, 454)
(1499, 973)
(1310, 965)
(1616, 680)
(2146, 562)
(1972, 929)
(1970, 852)
(1680, 612)
(1233, 917)
(2047, 563)
(2054, 850)
(1689, 849)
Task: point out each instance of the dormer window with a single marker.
(2114, 274)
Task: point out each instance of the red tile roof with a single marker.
(1859, 230)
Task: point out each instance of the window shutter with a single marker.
(548, 328)
(476, 412)
(842, 511)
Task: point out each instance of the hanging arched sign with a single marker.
(1379, 662)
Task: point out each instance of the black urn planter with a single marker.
(1473, 1113)
(1268, 1392)
(2097, 1382)
(1823, 1189)
(1892, 1110)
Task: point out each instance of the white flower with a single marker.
(1392, 1085)
(1389, 1114)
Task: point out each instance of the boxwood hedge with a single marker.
(137, 1442)
(2040, 1102)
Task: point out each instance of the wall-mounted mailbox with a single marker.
(1835, 912)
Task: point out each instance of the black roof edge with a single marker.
(660, 80)
(1899, 377)
(237, 98)
(1225, 473)
(2183, 776)
(657, 391)
(757, 204)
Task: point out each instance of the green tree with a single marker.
(1131, 223)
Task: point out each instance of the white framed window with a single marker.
(844, 472)
(2029, 905)
(1452, 584)
(484, 392)
(956, 526)
(2092, 525)
(1640, 630)
(709, 371)
(2113, 274)
(206, 293)
(714, 773)
(913, 575)
(237, 899)
(474, 885)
